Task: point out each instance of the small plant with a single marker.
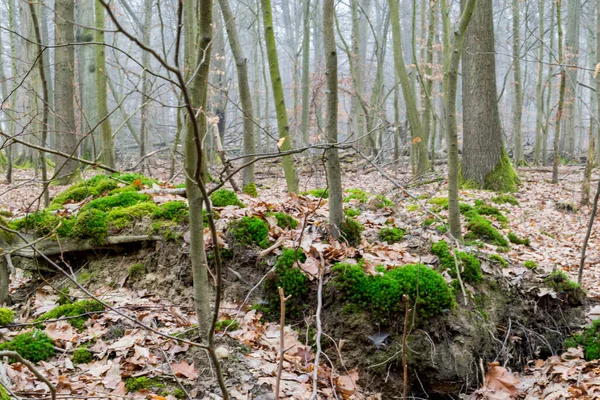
(470, 266)
(530, 264)
(90, 224)
(78, 309)
(230, 325)
(34, 346)
(250, 189)
(82, 356)
(136, 271)
(381, 201)
(251, 230)
(391, 235)
(285, 221)
(6, 316)
(505, 199)
(176, 211)
(517, 240)
(319, 193)
(483, 229)
(381, 295)
(499, 259)
(589, 339)
(356, 194)
(352, 212)
(142, 382)
(224, 198)
(560, 282)
(179, 393)
(351, 230)
(291, 279)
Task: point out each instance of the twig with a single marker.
(587, 234)
(282, 300)
(404, 335)
(29, 365)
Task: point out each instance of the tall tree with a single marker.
(518, 84)
(305, 125)
(88, 115)
(108, 145)
(145, 139)
(410, 100)
(561, 95)
(283, 126)
(572, 60)
(334, 177)
(539, 87)
(485, 163)
(64, 66)
(241, 63)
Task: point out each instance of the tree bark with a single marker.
(572, 52)
(518, 85)
(561, 96)
(539, 88)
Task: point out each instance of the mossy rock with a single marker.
(530, 264)
(352, 212)
(498, 259)
(96, 186)
(481, 228)
(176, 211)
(135, 179)
(142, 382)
(120, 200)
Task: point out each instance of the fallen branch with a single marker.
(29, 365)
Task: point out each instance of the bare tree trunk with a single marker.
(572, 53)
(145, 139)
(561, 96)
(63, 90)
(305, 126)
(334, 177)
(518, 85)
(539, 88)
(88, 110)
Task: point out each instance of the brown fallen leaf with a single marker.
(184, 369)
(500, 379)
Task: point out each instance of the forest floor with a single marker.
(555, 233)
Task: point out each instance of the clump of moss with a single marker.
(224, 198)
(319, 193)
(464, 207)
(381, 295)
(470, 266)
(90, 224)
(133, 177)
(356, 194)
(95, 186)
(441, 202)
(381, 201)
(34, 346)
(293, 282)
(517, 240)
(530, 264)
(250, 231)
(351, 230)
(560, 282)
(499, 259)
(352, 212)
(412, 207)
(120, 200)
(178, 393)
(4, 394)
(82, 356)
(136, 271)
(485, 209)
(230, 325)
(285, 221)
(391, 235)
(250, 189)
(505, 199)
(40, 222)
(78, 309)
(503, 178)
(589, 339)
(176, 211)
(483, 229)
(6, 316)
(164, 228)
(142, 382)
(121, 217)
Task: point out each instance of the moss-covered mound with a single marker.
(293, 282)
(249, 231)
(34, 346)
(79, 310)
(470, 267)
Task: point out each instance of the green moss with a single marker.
(125, 199)
(381, 295)
(530, 264)
(179, 393)
(285, 221)
(164, 228)
(464, 207)
(503, 178)
(224, 198)
(412, 207)
(136, 271)
(82, 356)
(142, 382)
(502, 249)
(250, 189)
(95, 186)
(90, 224)
(505, 199)
(499, 259)
(470, 266)
(230, 325)
(351, 230)
(40, 222)
(589, 339)
(176, 211)
(293, 282)
(483, 229)
(517, 240)
(122, 217)
(356, 194)
(77, 309)
(560, 282)
(441, 229)
(6, 316)
(352, 212)
(131, 177)
(4, 394)
(250, 231)
(441, 202)
(34, 346)
(428, 221)
(319, 193)
(391, 235)
(381, 201)
(566, 206)
(484, 209)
